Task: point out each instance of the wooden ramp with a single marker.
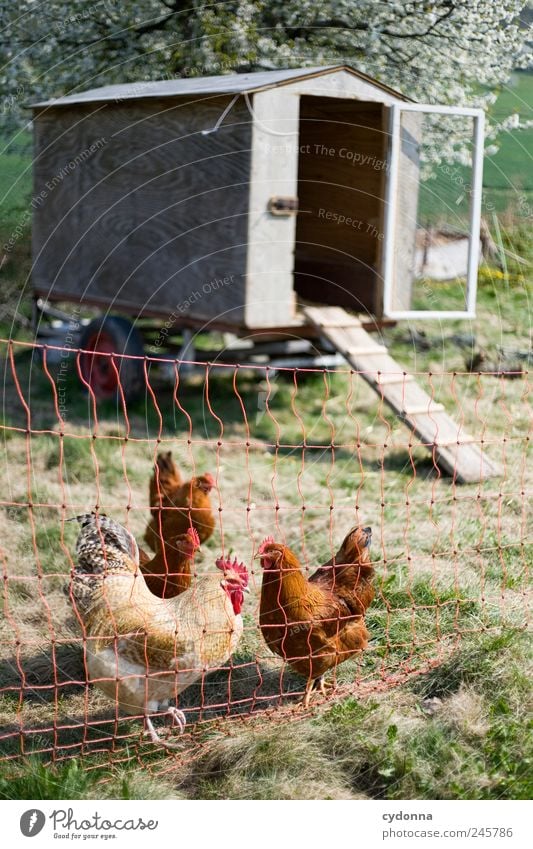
(455, 450)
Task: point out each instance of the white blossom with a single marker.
(445, 51)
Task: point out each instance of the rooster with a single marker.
(169, 572)
(316, 624)
(142, 651)
(177, 506)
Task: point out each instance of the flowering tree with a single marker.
(450, 51)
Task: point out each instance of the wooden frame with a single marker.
(174, 188)
(391, 207)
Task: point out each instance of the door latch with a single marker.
(283, 205)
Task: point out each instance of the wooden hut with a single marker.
(223, 198)
(237, 202)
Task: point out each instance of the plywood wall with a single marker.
(136, 209)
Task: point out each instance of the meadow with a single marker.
(437, 707)
(507, 175)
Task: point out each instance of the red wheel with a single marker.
(111, 335)
(97, 370)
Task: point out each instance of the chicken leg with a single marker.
(316, 684)
(178, 716)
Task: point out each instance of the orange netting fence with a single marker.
(299, 455)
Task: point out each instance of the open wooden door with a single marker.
(341, 169)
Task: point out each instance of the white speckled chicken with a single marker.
(142, 651)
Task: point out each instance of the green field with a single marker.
(15, 182)
(507, 174)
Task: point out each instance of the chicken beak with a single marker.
(246, 590)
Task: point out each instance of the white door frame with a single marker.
(390, 210)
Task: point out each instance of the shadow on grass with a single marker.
(35, 675)
(403, 462)
(248, 687)
(209, 403)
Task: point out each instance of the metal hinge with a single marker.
(283, 206)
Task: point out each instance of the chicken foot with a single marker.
(316, 684)
(177, 716)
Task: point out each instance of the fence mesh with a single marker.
(301, 455)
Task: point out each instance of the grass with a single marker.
(460, 731)
(71, 781)
(508, 172)
(434, 709)
(15, 177)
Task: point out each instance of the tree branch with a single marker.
(177, 7)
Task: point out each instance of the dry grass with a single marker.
(451, 566)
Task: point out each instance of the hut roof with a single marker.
(223, 84)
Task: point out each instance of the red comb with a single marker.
(233, 566)
(195, 539)
(266, 541)
(209, 478)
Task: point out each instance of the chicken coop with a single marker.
(231, 199)
(267, 205)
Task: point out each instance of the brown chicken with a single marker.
(165, 480)
(140, 650)
(316, 624)
(169, 572)
(350, 573)
(176, 507)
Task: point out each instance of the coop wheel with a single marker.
(112, 335)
